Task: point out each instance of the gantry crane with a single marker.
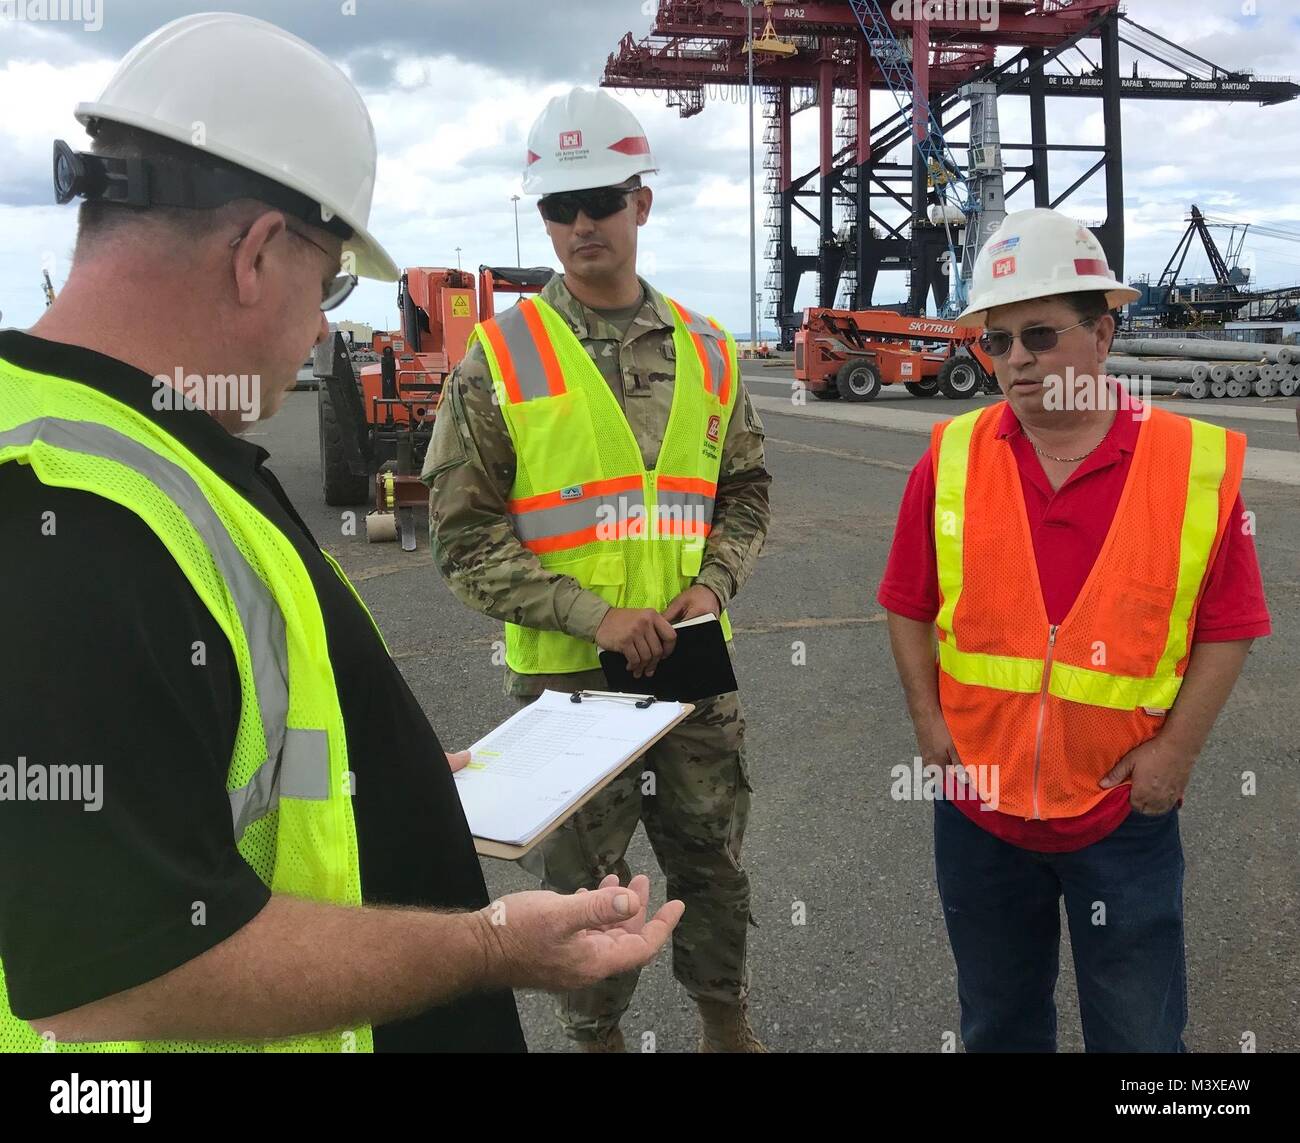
(695, 51)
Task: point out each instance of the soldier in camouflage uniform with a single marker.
(691, 790)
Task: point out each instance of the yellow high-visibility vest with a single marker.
(583, 500)
(290, 794)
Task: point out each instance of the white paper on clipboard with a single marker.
(535, 766)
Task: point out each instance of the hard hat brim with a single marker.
(372, 260)
(1117, 294)
(579, 180)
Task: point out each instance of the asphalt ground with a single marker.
(850, 951)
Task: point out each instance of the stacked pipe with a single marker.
(1199, 368)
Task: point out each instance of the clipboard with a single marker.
(504, 851)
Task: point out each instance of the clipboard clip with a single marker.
(641, 702)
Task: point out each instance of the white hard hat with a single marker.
(583, 140)
(1035, 254)
(256, 96)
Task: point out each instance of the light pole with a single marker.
(457, 257)
(518, 257)
(753, 236)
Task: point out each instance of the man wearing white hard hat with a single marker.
(1084, 564)
(262, 849)
(573, 414)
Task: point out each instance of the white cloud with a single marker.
(1167, 174)
(39, 97)
(719, 191)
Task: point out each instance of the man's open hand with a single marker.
(554, 942)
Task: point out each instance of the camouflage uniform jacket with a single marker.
(470, 468)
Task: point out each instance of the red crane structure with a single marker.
(870, 192)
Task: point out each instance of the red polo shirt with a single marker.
(1068, 527)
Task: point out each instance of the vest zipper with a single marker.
(1042, 709)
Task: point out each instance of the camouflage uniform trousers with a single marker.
(695, 820)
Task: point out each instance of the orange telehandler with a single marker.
(375, 428)
(852, 353)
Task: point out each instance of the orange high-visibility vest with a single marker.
(1054, 707)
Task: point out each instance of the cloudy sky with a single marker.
(452, 86)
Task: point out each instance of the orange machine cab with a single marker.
(447, 298)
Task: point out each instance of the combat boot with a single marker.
(611, 1041)
(726, 1028)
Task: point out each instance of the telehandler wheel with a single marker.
(859, 382)
(927, 388)
(339, 483)
(960, 378)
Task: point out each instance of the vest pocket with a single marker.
(608, 570)
(609, 578)
(554, 435)
(604, 573)
(692, 559)
(1143, 610)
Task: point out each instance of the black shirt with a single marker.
(112, 660)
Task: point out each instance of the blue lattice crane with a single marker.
(944, 174)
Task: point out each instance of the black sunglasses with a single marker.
(596, 204)
(1036, 339)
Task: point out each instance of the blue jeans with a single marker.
(1124, 902)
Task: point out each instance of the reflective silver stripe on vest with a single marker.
(529, 371)
(690, 506)
(711, 339)
(697, 324)
(297, 763)
(304, 772)
(542, 523)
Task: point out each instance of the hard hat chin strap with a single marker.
(204, 184)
